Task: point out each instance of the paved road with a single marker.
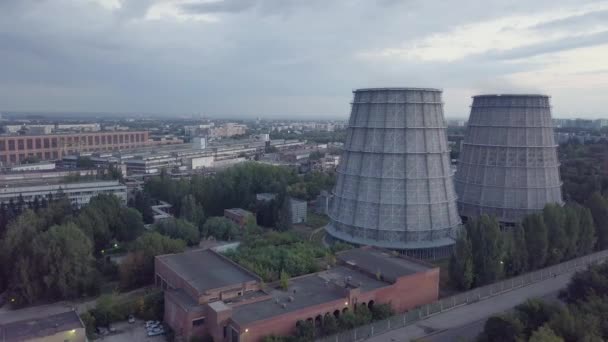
(469, 319)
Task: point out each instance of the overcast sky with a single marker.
(296, 58)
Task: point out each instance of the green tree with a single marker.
(461, 263)
(536, 240)
(555, 220)
(179, 229)
(143, 203)
(221, 228)
(138, 268)
(284, 280)
(19, 258)
(190, 210)
(534, 313)
(330, 325)
(305, 331)
(599, 210)
(545, 334)
(572, 230)
(517, 253)
(284, 221)
(505, 328)
(488, 249)
(129, 226)
(67, 259)
(586, 240)
(382, 311)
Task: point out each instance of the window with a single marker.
(54, 142)
(103, 139)
(47, 143)
(2, 145)
(90, 138)
(11, 145)
(21, 144)
(198, 322)
(30, 144)
(38, 143)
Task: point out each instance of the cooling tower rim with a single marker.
(398, 88)
(510, 95)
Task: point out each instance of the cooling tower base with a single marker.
(439, 248)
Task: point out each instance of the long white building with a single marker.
(79, 193)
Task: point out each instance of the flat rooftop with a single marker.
(376, 260)
(239, 211)
(39, 328)
(206, 270)
(307, 291)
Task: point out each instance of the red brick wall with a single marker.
(13, 149)
(407, 293)
(172, 279)
(180, 320)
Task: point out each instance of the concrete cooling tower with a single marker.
(394, 187)
(508, 163)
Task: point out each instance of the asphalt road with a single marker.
(467, 321)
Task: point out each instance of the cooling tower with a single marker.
(394, 187)
(508, 163)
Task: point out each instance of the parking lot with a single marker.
(135, 332)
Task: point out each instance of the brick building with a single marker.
(15, 148)
(239, 216)
(205, 293)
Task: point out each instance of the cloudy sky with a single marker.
(296, 58)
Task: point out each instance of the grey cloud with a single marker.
(76, 55)
(575, 21)
(551, 47)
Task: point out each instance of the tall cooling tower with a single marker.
(394, 188)
(508, 164)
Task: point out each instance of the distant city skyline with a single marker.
(290, 59)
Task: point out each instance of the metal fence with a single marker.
(472, 296)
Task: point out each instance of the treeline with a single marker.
(583, 318)
(362, 315)
(61, 252)
(484, 254)
(235, 187)
(581, 170)
(57, 252)
(317, 136)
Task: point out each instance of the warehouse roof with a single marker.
(206, 270)
(39, 328)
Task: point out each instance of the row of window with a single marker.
(12, 144)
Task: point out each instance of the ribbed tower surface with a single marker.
(394, 187)
(508, 163)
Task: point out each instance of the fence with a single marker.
(472, 296)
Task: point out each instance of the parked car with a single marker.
(156, 331)
(131, 319)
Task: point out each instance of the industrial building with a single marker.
(394, 187)
(79, 192)
(298, 210)
(16, 148)
(199, 154)
(208, 294)
(239, 216)
(508, 165)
